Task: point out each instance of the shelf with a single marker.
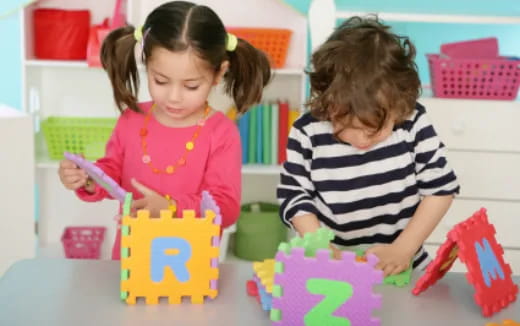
(261, 169)
(429, 18)
(83, 65)
(56, 63)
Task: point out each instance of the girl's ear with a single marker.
(224, 66)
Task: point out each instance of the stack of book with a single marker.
(264, 130)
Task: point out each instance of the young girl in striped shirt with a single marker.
(366, 161)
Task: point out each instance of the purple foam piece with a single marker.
(213, 284)
(296, 301)
(99, 176)
(207, 202)
(215, 241)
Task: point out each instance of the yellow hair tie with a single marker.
(232, 42)
(138, 33)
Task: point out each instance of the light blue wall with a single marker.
(10, 55)
(428, 37)
(466, 7)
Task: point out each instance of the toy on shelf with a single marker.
(311, 288)
(171, 257)
(473, 241)
(83, 242)
(99, 176)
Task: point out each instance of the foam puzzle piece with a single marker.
(265, 297)
(506, 322)
(346, 284)
(169, 257)
(311, 242)
(99, 176)
(474, 242)
(265, 273)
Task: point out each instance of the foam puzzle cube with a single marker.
(171, 257)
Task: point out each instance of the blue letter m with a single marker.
(488, 262)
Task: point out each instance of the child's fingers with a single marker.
(67, 164)
(388, 269)
(138, 204)
(74, 173)
(396, 270)
(78, 184)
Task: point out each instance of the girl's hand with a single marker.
(152, 201)
(393, 258)
(73, 177)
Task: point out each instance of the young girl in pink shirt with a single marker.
(167, 151)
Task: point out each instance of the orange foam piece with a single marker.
(506, 322)
(198, 232)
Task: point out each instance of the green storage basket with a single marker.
(259, 232)
(87, 136)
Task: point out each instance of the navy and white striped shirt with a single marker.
(364, 196)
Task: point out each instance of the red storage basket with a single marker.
(61, 34)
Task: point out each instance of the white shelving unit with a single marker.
(71, 88)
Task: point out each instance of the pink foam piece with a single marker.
(480, 48)
(99, 176)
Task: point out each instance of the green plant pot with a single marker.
(259, 232)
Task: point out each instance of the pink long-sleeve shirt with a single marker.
(213, 165)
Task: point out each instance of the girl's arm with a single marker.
(110, 164)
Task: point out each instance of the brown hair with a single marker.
(178, 26)
(366, 72)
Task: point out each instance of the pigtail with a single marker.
(249, 72)
(118, 60)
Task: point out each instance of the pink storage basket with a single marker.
(474, 69)
(83, 242)
(478, 78)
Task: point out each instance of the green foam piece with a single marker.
(124, 295)
(124, 253)
(125, 230)
(278, 267)
(285, 247)
(311, 242)
(401, 279)
(277, 291)
(124, 274)
(127, 204)
(276, 315)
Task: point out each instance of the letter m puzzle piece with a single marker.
(473, 241)
(170, 257)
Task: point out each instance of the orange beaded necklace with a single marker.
(190, 145)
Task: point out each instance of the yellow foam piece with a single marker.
(198, 232)
(265, 272)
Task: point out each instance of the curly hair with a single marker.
(364, 71)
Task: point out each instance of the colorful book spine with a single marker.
(283, 124)
(266, 133)
(274, 133)
(243, 128)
